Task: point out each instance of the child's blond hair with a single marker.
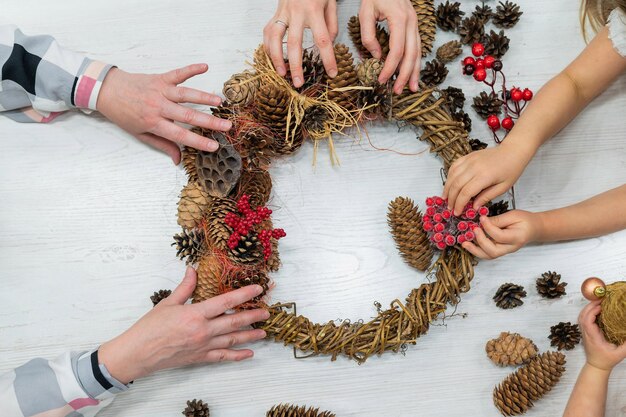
(596, 13)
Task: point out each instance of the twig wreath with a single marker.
(228, 231)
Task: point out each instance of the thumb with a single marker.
(184, 290)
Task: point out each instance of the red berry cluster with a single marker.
(444, 228)
(243, 223)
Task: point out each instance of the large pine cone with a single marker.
(550, 285)
(406, 227)
(286, 410)
(515, 395)
(471, 30)
(218, 231)
(487, 104)
(189, 155)
(564, 335)
(196, 408)
(257, 184)
(272, 106)
(496, 44)
(449, 15)
(192, 206)
(190, 245)
(425, 10)
(510, 349)
(354, 29)
(507, 15)
(449, 51)
(509, 296)
(210, 275)
(346, 77)
(241, 88)
(219, 171)
(434, 73)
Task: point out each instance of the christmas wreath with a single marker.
(228, 230)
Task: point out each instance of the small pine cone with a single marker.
(193, 204)
(487, 104)
(218, 231)
(564, 335)
(196, 408)
(256, 149)
(210, 275)
(286, 410)
(471, 30)
(249, 251)
(189, 155)
(346, 77)
(405, 222)
(368, 71)
(219, 171)
(434, 73)
(282, 146)
(272, 107)
(377, 101)
(159, 296)
(315, 121)
(258, 185)
(461, 116)
(425, 10)
(498, 208)
(354, 29)
(510, 349)
(516, 394)
(477, 145)
(549, 285)
(483, 12)
(273, 263)
(190, 245)
(312, 69)
(509, 296)
(250, 276)
(496, 44)
(454, 97)
(224, 111)
(507, 15)
(449, 51)
(449, 15)
(241, 88)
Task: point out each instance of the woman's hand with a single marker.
(318, 15)
(600, 353)
(504, 234)
(175, 334)
(405, 50)
(147, 105)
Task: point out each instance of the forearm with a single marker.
(599, 215)
(588, 399)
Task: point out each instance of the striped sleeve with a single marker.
(40, 79)
(72, 385)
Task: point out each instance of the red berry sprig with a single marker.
(444, 228)
(244, 223)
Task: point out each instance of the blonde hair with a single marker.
(596, 13)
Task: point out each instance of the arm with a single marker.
(491, 172)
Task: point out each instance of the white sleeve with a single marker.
(617, 30)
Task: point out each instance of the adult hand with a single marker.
(147, 105)
(600, 353)
(318, 15)
(405, 51)
(175, 334)
(504, 234)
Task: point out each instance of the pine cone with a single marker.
(224, 111)
(434, 73)
(218, 231)
(477, 145)
(272, 106)
(346, 77)
(378, 101)
(507, 15)
(219, 171)
(449, 51)
(258, 185)
(461, 116)
(454, 97)
(193, 203)
(510, 349)
(509, 296)
(515, 395)
(189, 159)
(210, 275)
(549, 285)
(471, 30)
(286, 410)
(405, 222)
(449, 15)
(312, 69)
(248, 252)
(241, 88)
(425, 10)
(256, 149)
(159, 296)
(498, 208)
(496, 44)
(196, 408)
(315, 121)
(273, 263)
(483, 12)
(368, 71)
(283, 147)
(487, 104)
(354, 29)
(190, 245)
(250, 276)
(564, 336)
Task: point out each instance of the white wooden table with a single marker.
(87, 215)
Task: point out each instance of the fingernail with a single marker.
(226, 124)
(297, 81)
(217, 101)
(282, 71)
(258, 290)
(414, 86)
(376, 54)
(212, 146)
(262, 334)
(266, 315)
(332, 73)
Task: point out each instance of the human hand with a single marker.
(405, 50)
(483, 175)
(504, 234)
(147, 105)
(600, 353)
(318, 15)
(175, 334)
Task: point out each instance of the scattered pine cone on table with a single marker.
(496, 44)
(461, 116)
(507, 15)
(483, 12)
(189, 159)
(219, 171)
(517, 393)
(241, 88)
(346, 77)
(192, 205)
(218, 231)
(498, 208)
(449, 51)
(196, 408)
(354, 29)
(159, 296)
(434, 73)
(449, 15)
(477, 145)
(454, 97)
(471, 30)
(510, 349)
(425, 10)
(487, 104)
(190, 244)
(286, 410)
(550, 285)
(564, 335)
(509, 296)
(210, 275)
(412, 242)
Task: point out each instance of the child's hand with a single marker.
(175, 334)
(147, 105)
(504, 234)
(484, 175)
(600, 353)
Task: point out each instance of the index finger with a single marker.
(180, 75)
(217, 306)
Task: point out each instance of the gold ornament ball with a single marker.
(593, 288)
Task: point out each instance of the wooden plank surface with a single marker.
(87, 215)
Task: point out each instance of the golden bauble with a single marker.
(593, 288)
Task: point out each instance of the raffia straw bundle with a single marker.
(612, 320)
